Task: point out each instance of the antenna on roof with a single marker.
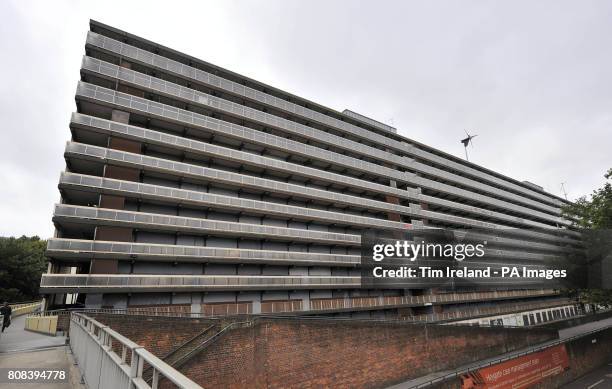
(563, 190)
(468, 141)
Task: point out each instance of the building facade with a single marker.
(194, 189)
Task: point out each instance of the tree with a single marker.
(22, 262)
(594, 214)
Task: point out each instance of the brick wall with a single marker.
(159, 335)
(322, 353)
(584, 356)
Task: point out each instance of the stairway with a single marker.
(184, 349)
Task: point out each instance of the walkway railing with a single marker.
(107, 359)
(24, 308)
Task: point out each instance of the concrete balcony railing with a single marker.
(78, 283)
(95, 153)
(340, 304)
(87, 249)
(192, 74)
(91, 123)
(234, 203)
(490, 311)
(176, 196)
(104, 96)
(348, 304)
(191, 96)
(159, 222)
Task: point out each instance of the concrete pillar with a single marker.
(256, 306)
(196, 308)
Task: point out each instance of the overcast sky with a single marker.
(532, 78)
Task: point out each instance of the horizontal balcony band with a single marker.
(176, 196)
(193, 97)
(82, 250)
(318, 306)
(352, 303)
(104, 96)
(344, 304)
(209, 200)
(192, 74)
(157, 222)
(490, 311)
(492, 254)
(144, 135)
(147, 221)
(120, 283)
(90, 249)
(117, 283)
(143, 162)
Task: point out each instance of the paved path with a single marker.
(15, 338)
(21, 349)
(563, 334)
(56, 358)
(597, 379)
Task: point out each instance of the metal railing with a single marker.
(198, 225)
(318, 306)
(399, 301)
(107, 359)
(85, 249)
(176, 91)
(145, 135)
(182, 196)
(214, 81)
(194, 197)
(489, 311)
(100, 94)
(50, 283)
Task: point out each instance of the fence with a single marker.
(43, 324)
(24, 308)
(107, 359)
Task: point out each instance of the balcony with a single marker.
(190, 73)
(93, 283)
(100, 95)
(90, 123)
(191, 96)
(138, 161)
(201, 199)
(157, 222)
(83, 250)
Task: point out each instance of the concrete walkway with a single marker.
(565, 333)
(21, 349)
(55, 358)
(15, 338)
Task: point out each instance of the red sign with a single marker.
(521, 372)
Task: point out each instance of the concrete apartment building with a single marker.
(193, 189)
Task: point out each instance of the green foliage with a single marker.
(596, 214)
(598, 297)
(22, 261)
